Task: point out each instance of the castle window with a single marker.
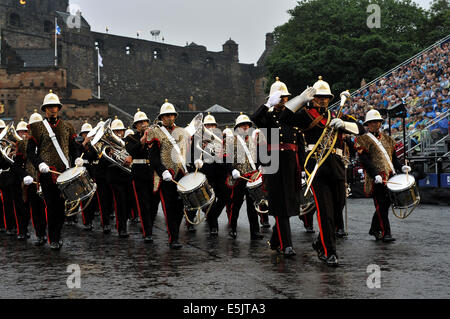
(157, 54)
(14, 20)
(209, 62)
(48, 26)
(128, 49)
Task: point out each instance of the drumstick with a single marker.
(393, 183)
(178, 184)
(245, 179)
(54, 172)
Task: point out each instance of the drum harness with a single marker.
(383, 150)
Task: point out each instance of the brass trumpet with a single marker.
(325, 144)
(8, 140)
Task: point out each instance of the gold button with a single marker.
(281, 134)
(281, 142)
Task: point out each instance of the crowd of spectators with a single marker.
(422, 85)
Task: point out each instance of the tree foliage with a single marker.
(331, 38)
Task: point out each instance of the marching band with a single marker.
(49, 172)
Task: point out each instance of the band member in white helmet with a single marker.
(143, 175)
(33, 200)
(378, 169)
(48, 155)
(245, 166)
(168, 144)
(120, 182)
(283, 186)
(328, 183)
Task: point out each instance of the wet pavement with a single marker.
(414, 266)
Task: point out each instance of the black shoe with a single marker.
(123, 234)
(232, 233)
(214, 232)
(376, 234)
(340, 233)
(56, 245)
(289, 252)
(331, 261)
(148, 239)
(88, 227)
(273, 247)
(40, 241)
(107, 229)
(22, 237)
(256, 236)
(135, 220)
(175, 245)
(310, 230)
(191, 228)
(388, 238)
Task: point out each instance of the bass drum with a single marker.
(404, 194)
(307, 203)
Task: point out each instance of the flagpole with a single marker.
(98, 71)
(56, 42)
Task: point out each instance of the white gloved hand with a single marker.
(406, 169)
(378, 179)
(337, 123)
(303, 174)
(198, 163)
(167, 176)
(235, 173)
(307, 95)
(274, 99)
(79, 162)
(28, 180)
(43, 168)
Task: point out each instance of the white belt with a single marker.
(336, 151)
(85, 161)
(141, 161)
(4, 170)
(95, 162)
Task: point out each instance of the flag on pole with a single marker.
(57, 29)
(100, 59)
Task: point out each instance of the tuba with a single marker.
(110, 146)
(8, 142)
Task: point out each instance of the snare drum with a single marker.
(258, 196)
(307, 203)
(195, 191)
(404, 194)
(76, 186)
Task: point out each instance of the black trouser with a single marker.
(340, 193)
(105, 201)
(308, 219)
(146, 204)
(121, 204)
(380, 219)
(22, 214)
(223, 194)
(88, 209)
(37, 210)
(281, 235)
(173, 208)
(9, 217)
(237, 199)
(55, 207)
(324, 190)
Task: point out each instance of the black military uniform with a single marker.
(283, 187)
(7, 186)
(143, 175)
(327, 184)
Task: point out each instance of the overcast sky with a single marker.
(205, 22)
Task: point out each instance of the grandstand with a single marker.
(421, 85)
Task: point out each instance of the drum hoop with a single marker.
(82, 170)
